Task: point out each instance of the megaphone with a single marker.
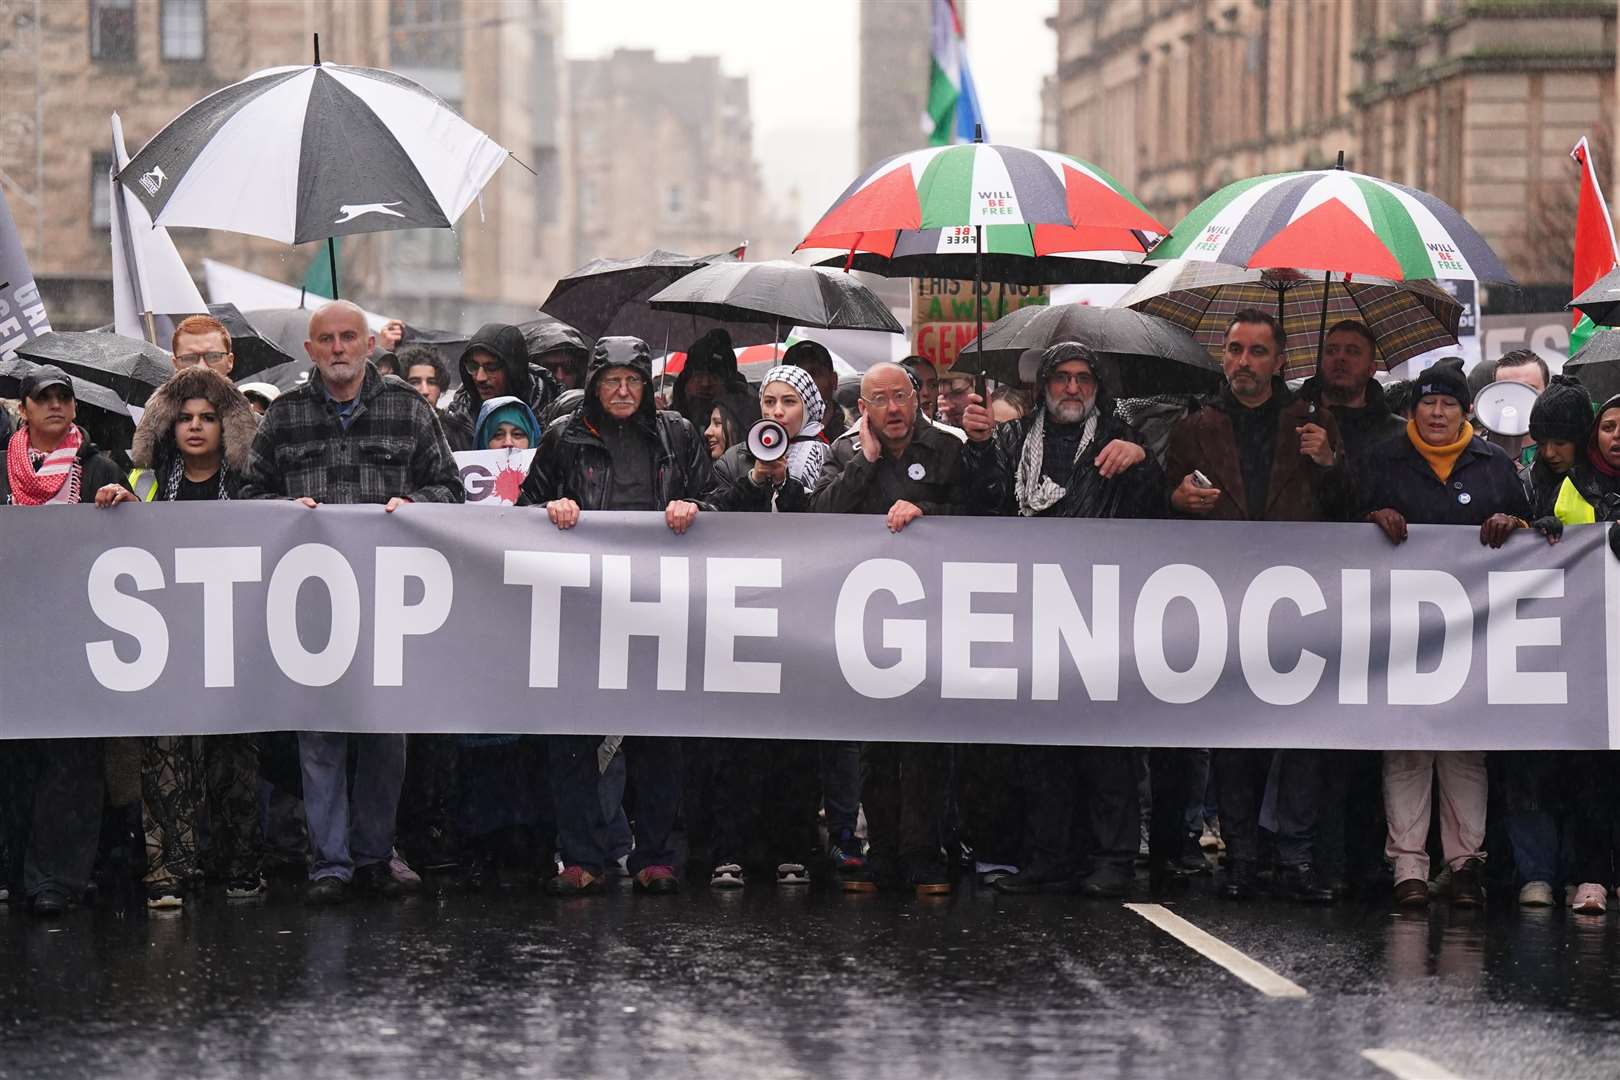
(767, 441)
(1504, 408)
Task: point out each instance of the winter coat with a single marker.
(1298, 489)
(393, 447)
(573, 461)
(531, 383)
(1363, 428)
(939, 473)
(734, 489)
(1586, 496)
(1483, 481)
(99, 471)
(1541, 487)
(154, 450)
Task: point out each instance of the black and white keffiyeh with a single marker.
(807, 450)
(1036, 491)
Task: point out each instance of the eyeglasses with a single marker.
(883, 401)
(201, 358)
(495, 367)
(622, 382)
(1081, 379)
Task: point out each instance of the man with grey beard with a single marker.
(1075, 459)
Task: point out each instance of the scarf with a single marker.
(1036, 492)
(1442, 459)
(55, 480)
(807, 450)
(1595, 458)
(177, 471)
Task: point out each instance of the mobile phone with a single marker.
(1200, 480)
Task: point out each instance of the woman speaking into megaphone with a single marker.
(776, 466)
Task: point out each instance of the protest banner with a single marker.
(823, 627)
(22, 312)
(942, 320)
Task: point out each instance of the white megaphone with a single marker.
(767, 441)
(1504, 408)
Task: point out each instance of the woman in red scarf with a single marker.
(52, 787)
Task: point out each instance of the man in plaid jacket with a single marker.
(350, 435)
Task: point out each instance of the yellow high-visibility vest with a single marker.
(144, 483)
(1572, 507)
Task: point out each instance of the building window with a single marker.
(425, 33)
(183, 29)
(101, 191)
(112, 30)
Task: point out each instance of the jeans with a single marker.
(1532, 778)
(348, 830)
(584, 826)
(841, 785)
(1240, 786)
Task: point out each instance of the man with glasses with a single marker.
(894, 462)
(618, 452)
(202, 339)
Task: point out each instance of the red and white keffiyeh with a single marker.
(55, 480)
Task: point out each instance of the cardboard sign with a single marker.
(942, 319)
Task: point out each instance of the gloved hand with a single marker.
(1550, 527)
(1614, 539)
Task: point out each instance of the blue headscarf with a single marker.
(505, 410)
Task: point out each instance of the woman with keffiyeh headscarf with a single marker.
(789, 396)
(764, 793)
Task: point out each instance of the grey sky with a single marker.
(802, 61)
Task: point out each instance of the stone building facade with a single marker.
(1477, 101)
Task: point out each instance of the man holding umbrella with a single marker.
(1257, 453)
(1076, 459)
(1344, 383)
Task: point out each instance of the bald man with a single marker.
(350, 435)
(894, 462)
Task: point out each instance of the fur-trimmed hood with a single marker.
(154, 435)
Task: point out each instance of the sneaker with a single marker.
(574, 881)
(245, 888)
(1536, 894)
(5, 895)
(726, 876)
(792, 873)
(164, 896)
(326, 892)
(846, 851)
(1589, 899)
(375, 879)
(1412, 893)
(657, 881)
(1467, 885)
(408, 880)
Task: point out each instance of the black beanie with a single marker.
(1563, 411)
(1446, 377)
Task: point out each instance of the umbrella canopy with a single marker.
(254, 352)
(1333, 220)
(753, 361)
(283, 376)
(306, 153)
(953, 188)
(914, 258)
(130, 369)
(778, 292)
(608, 297)
(1597, 365)
(1140, 355)
(1406, 318)
(1601, 300)
(286, 328)
(88, 394)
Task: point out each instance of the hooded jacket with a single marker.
(712, 352)
(1139, 492)
(1297, 489)
(530, 383)
(154, 451)
(575, 462)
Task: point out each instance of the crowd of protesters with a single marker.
(169, 818)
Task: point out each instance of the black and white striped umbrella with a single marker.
(305, 153)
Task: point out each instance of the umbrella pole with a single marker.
(151, 327)
(978, 309)
(776, 345)
(331, 256)
(1321, 329)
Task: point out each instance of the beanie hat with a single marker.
(1563, 411)
(1446, 377)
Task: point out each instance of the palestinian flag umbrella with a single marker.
(1140, 355)
(312, 152)
(1012, 254)
(953, 195)
(1406, 317)
(778, 292)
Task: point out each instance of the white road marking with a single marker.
(1406, 1065)
(1253, 972)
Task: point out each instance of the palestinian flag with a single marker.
(1595, 253)
(953, 103)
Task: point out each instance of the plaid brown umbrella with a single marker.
(1406, 318)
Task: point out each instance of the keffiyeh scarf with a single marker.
(807, 450)
(1036, 491)
(55, 479)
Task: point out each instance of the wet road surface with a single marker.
(781, 983)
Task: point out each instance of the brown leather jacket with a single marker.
(1299, 489)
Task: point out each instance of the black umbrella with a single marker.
(1597, 364)
(775, 293)
(286, 328)
(283, 376)
(609, 296)
(254, 352)
(101, 412)
(1601, 300)
(131, 369)
(449, 344)
(1140, 355)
